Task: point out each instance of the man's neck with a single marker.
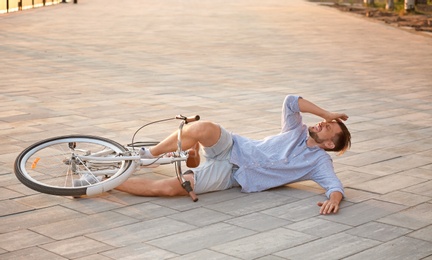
(310, 142)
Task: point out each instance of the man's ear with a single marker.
(329, 144)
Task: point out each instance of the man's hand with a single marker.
(328, 207)
(331, 205)
(330, 116)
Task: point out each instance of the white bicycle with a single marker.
(78, 165)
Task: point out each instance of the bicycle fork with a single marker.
(184, 183)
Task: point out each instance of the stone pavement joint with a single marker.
(106, 67)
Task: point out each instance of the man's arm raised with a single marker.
(309, 107)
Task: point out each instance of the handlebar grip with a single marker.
(193, 196)
(187, 186)
(192, 118)
(188, 119)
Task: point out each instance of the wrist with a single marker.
(336, 197)
(326, 115)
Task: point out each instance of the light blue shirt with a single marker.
(284, 158)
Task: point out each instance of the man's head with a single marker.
(331, 136)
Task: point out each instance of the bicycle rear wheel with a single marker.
(53, 166)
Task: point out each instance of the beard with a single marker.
(314, 135)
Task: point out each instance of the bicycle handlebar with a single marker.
(188, 119)
(185, 184)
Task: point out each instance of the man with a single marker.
(297, 153)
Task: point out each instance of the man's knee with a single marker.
(208, 133)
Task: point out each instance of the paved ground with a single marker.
(105, 67)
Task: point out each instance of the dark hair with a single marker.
(341, 140)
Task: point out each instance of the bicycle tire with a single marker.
(44, 164)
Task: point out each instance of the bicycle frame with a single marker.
(98, 158)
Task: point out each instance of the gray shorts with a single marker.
(216, 173)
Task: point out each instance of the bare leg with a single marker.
(205, 133)
(155, 188)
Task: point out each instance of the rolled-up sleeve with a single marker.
(326, 178)
(291, 116)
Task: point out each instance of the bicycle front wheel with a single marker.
(54, 165)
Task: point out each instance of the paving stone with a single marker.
(200, 217)
(258, 222)
(139, 251)
(22, 189)
(338, 167)
(368, 158)
(76, 247)
(36, 218)
(8, 157)
(270, 257)
(414, 218)
(205, 254)
(200, 238)
(397, 164)
(91, 205)
(9, 207)
(21, 239)
(420, 173)
(423, 234)
(264, 243)
(178, 203)
(296, 211)
(404, 198)
(366, 211)
(8, 194)
(383, 143)
(185, 203)
(427, 167)
(413, 147)
(356, 196)
(400, 248)
(7, 178)
(86, 224)
(94, 257)
(126, 199)
(378, 231)
(424, 189)
(388, 184)
(145, 211)
(42, 200)
(251, 203)
(31, 253)
(140, 232)
(353, 177)
(333, 247)
(318, 227)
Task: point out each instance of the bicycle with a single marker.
(78, 165)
